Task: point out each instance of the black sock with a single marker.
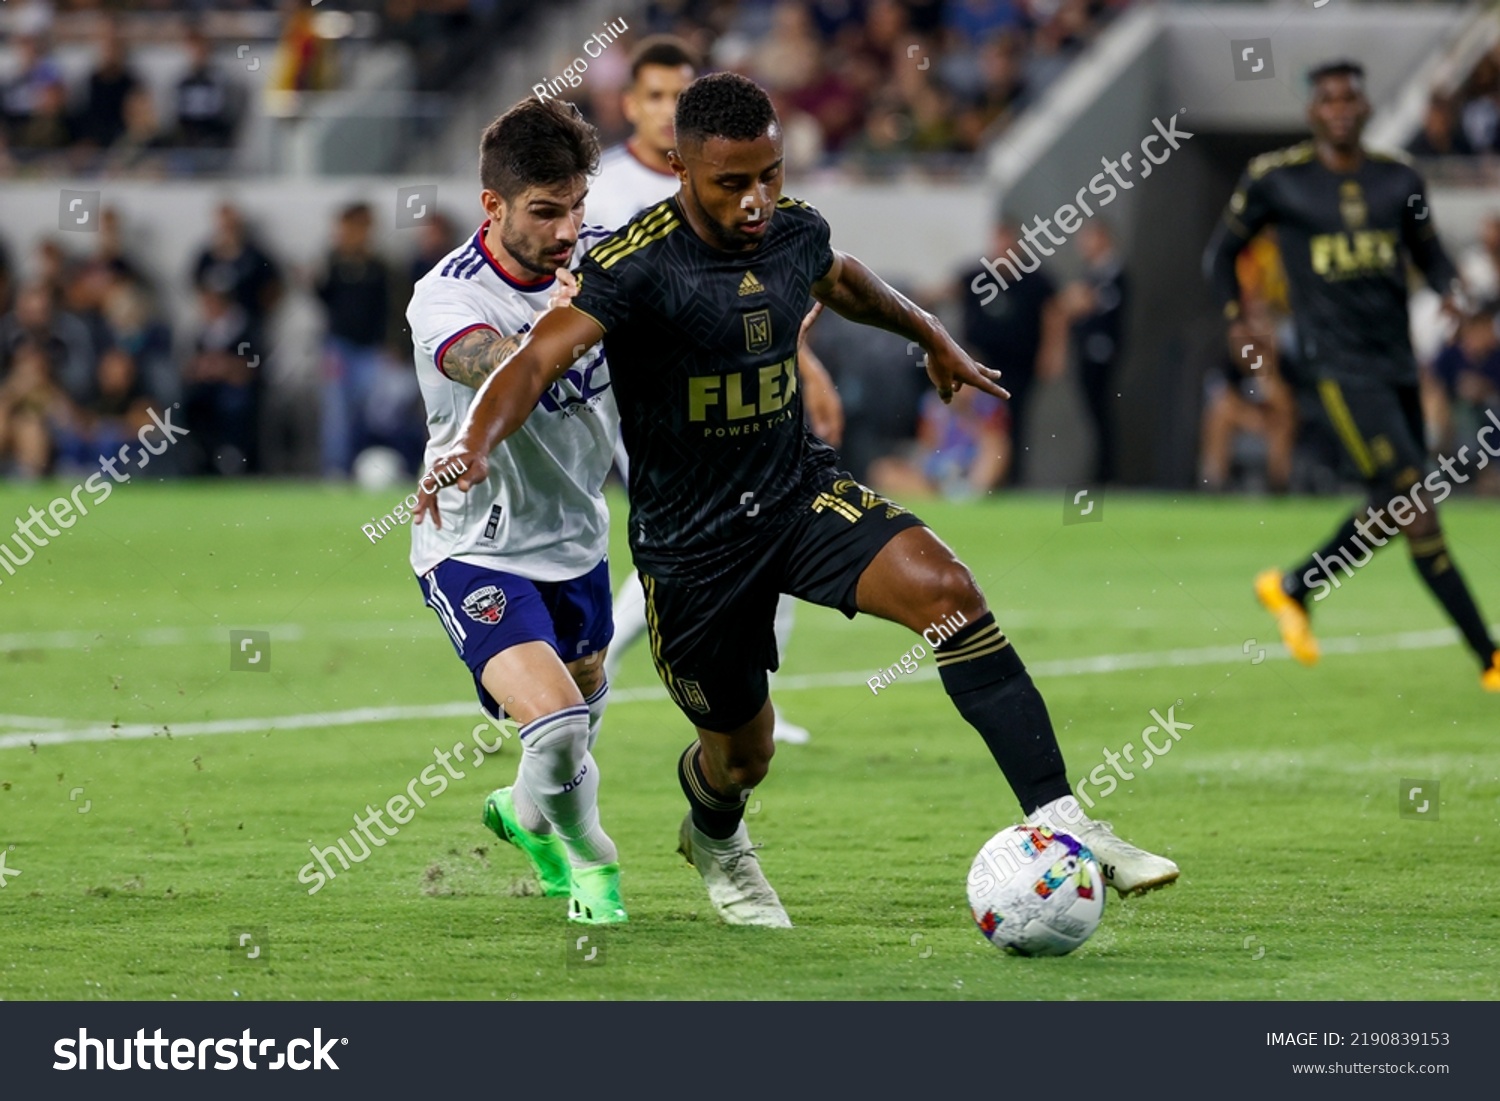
(716, 815)
(992, 690)
(1430, 555)
(1333, 562)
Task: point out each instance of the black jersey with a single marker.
(702, 348)
(1344, 241)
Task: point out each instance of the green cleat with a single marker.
(596, 896)
(545, 852)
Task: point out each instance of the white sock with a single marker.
(528, 814)
(562, 778)
(738, 840)
(630, 622)
(786, 617)
(596, 704)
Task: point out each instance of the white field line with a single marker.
(419, 630)
(414, 629)
(1072, 667)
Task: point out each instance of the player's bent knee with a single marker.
(559, 741)
(743, 765)
(957, 591)
(588, 673)
(747, 773)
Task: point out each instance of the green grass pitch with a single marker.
(1300, 878)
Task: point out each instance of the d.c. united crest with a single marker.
(485, 605)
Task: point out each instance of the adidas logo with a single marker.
(751, 285)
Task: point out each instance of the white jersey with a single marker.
(624, 188)
(541, 513)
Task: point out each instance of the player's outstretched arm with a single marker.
(852, 290)
(506, 399)
(1421, 238)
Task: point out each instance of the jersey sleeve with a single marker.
(1421, 239)
(819, 246)
(1248, 211)
(603, 292)
(443, 311)
(1249, 207)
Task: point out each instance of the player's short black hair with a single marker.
(723, 105)
(536, 144)
(661, 49)
(1338, 67)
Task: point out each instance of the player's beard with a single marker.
(534, 259)
(724, 238)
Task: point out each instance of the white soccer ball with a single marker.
(1035, 891)
(379, 468)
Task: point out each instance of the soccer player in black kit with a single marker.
(699, 301)
(1347, 221)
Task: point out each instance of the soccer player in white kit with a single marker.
(518, 573)
(633, 176)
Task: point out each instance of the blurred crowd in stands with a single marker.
(874, 83)
(1467, 122)
(110, 123)
(178, 111)
(87, 349)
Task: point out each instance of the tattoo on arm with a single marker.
(862, 296)
(474, 356)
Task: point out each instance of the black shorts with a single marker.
(713, 643)
(1380, 429)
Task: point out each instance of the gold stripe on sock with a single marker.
(984, 640)
(711, 800)
(993, 648)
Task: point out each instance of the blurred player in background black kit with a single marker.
(1347, 220)
(733, 501)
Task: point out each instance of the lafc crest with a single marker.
(757, 331)
(1352, 205)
